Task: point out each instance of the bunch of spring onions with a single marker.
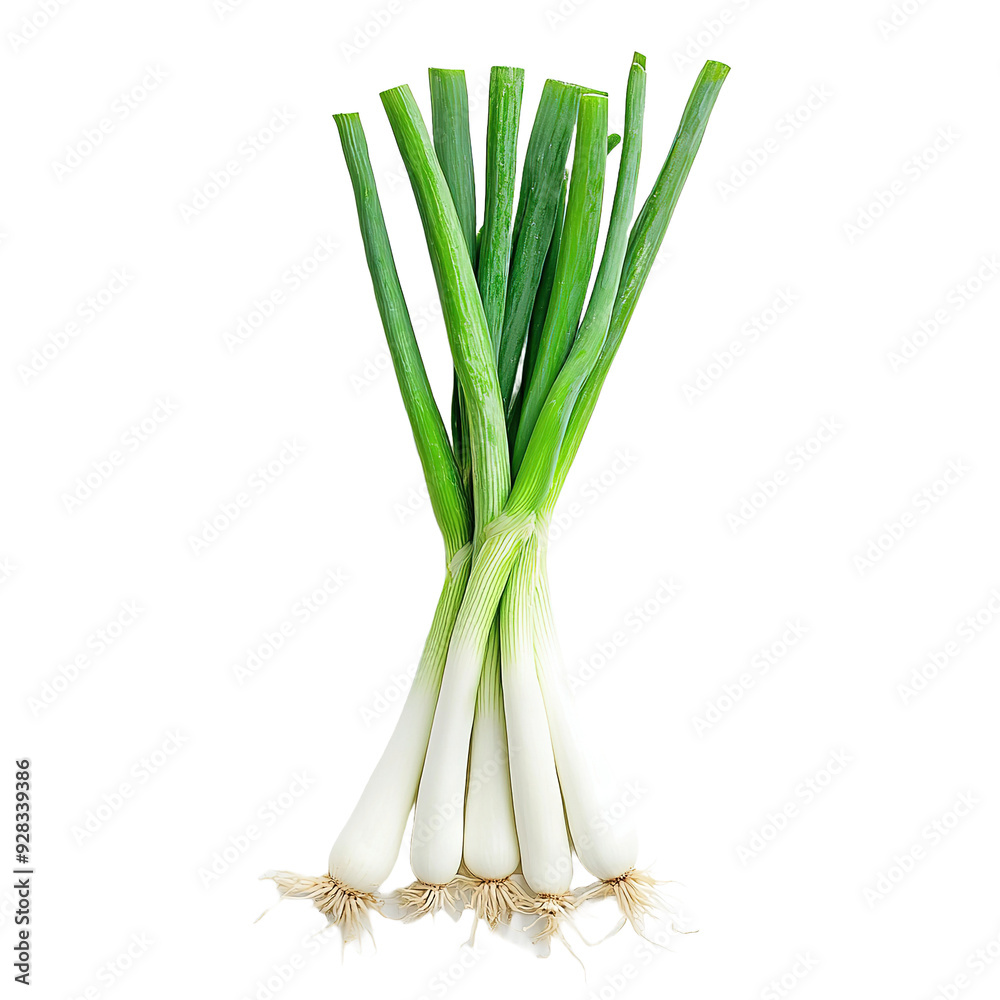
(485, 752)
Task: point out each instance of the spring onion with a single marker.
(502, 787)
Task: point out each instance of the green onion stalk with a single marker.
(502, 788)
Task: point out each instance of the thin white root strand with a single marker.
(637, 896)
(552, 910)
(494, 900)
(419, 899)
(346, 908)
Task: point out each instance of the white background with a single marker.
(315, 372)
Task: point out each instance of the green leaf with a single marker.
(644, 242)
(576, 259)
(538, 312)
(453, 145)
(506, 85)
(447, 496)
(461, 306)
(545, 161)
